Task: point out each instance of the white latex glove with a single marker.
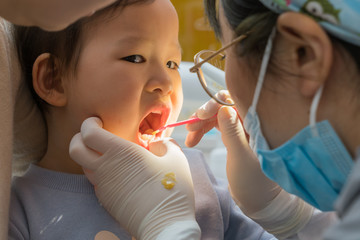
(130, 183)
(277, 211)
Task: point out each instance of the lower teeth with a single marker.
(147, 135)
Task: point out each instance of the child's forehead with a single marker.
(131, 28)
(135, 11)
(111, 13)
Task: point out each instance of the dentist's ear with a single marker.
(309, 46)
(47, 81)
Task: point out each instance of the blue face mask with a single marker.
(313, 165)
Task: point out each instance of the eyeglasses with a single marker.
(210, 66)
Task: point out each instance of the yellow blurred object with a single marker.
(169, 180)
(195, 33)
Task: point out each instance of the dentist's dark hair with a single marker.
(244, 16)
(252, 16)
(64, 46)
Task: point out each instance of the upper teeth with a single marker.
(156, 112)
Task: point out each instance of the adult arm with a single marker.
(48, 14)
(242, 166)
(277, 211)
(289, 217)
(9, 79)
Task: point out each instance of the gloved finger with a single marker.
(208, 109)
(158, 148)
(208, 112)
(195, 135)
(161, 147)
(90, 176)
(232, 131)
(94, 136)
(197, 130)
(224, 95)
(172, 159)
(97, 138)
(177, 161)
(83, 155)
(208, 123)
(211, 107)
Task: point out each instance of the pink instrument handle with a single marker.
(191, 120)
(187, 121)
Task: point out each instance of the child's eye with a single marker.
(134, 59)
(172, 65)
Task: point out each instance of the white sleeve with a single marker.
(181, 230)
(289, 217)
(318, 224)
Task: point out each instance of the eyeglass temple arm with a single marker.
(194, 68)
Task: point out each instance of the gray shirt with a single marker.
(54, 205)
(348, 209)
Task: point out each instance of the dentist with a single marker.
(293, 74)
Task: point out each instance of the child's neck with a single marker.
(55, 161)
(57, 156)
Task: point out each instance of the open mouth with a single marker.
(151, 122)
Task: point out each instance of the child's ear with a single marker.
(311, 48)
(47, 81)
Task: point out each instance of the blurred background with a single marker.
(195, 35)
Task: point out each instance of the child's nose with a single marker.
(160, 82)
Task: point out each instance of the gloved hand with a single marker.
(248, 185)
(277, 211)
(150, 193)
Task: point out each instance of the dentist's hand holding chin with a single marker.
(149, 192)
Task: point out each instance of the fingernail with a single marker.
(231, 114)
(229, 100)
(203, 111)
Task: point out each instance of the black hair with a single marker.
(251, 15)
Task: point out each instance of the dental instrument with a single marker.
(190, 120)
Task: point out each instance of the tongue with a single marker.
(149, 131)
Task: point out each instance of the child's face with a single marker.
(127, 72)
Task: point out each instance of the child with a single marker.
(121, 65)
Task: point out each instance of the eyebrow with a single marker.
(135, 39)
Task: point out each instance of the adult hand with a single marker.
(250, 188)
(277, 211)
(49, 15)
(150, 193)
